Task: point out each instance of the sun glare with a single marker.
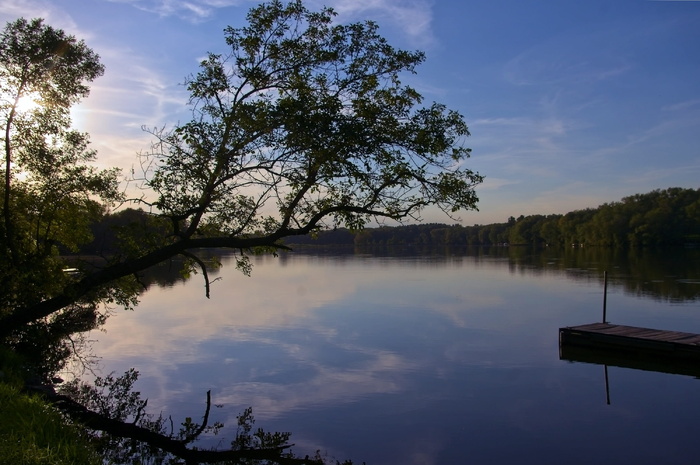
(28, 103)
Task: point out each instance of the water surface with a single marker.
(423, 358)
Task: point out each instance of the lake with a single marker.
(431, 357)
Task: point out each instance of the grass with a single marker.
(32, 432)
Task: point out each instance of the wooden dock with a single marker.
(632, 347)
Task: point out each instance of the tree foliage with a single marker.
(124, 432)
(50, 192)
(302, 123)
(657, 218)
(48, 186)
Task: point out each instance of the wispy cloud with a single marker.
(134, 92)
(549, 65)
(412, 18)
(565, 198)
(630, 145)
(25, 8)
(47, 10)
(194, 10)
(682, 105)
(575, 57)
(492, 184)
(329, 384)
(519, 136)
(662, 177)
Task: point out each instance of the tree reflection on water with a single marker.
(661, 275)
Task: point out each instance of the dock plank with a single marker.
(622, 337)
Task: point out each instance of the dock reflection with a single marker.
(635, 359)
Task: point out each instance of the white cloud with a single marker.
(492, 184)
(27, 9)
(47, 10)
(194, 11)
(133, 93)
(329, 385)
(524, 140)
(413, 18)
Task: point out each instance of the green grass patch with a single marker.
(12, 368)
(33, 432)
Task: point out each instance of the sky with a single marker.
(570, 104)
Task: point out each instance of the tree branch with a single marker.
(96, 421)
(203, 267)
(205, 421)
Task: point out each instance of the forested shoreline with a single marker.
(658, 218)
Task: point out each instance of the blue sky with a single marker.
(570, 103)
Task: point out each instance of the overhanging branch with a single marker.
(96, 421)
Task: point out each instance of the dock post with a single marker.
(605, 296)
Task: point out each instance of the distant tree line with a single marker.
(660, 217)
(117, 233)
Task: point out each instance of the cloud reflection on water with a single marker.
(424, 350)
(306, 331)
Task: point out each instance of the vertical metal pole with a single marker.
(605, 296)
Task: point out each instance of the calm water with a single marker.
(443, 358)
